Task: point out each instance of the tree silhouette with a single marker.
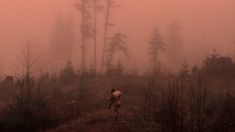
(110, 5)
(174, 48)
(185, 69)
(156, 45)
(117, 43)
(62, 40)
(96, 8)
(68, 74)
(29, 110)
(86, 28)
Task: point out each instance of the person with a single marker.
(115, 99)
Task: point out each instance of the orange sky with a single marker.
(206, 24)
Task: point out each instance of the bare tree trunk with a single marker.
(83, 56)
(95, 36)
(201, 100)
(27, 75)
(106, 25)
(182, 104)
(85, 30)
(191, 105)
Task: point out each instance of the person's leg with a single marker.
(110, 104)
(116, 110)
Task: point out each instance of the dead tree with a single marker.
(156, 46)
(96, 8)
(117, 43)
(175, 49)
(25, 79)
(110, 5)
(86, 29)
(25, 108)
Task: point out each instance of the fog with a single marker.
(205, 25)
(117, 65)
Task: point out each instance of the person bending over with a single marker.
(116, 100)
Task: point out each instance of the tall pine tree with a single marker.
(156, 46)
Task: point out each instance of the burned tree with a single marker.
(86, 29)
(117, 43)
(96, 8)
(156, 46)
(68, 74)
(29, 110)
(185, 69)
(110, 5)
(174, 49)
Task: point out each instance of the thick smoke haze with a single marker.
(204, 25)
